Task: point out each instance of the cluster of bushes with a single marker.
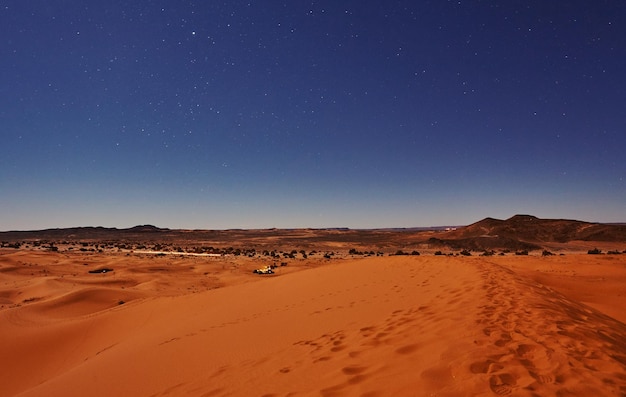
(597, 251)
(6, 244)
(465, 252)
(440, 253)
(249, 252)
(486, 252)
(400, 252)
(84, 246)
(354, 251)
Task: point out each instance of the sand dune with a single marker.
(392, 326)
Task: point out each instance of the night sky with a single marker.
(237, 114)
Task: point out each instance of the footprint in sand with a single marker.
(367, 331)
(502, 384)
(485, 367)
(338, 348)
(542, 378)
(527, 351)
(505, 339)
(408, 349)
(531, 357)
(353, 370)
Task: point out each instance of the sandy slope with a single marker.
(410, 326)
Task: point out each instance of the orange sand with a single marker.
(380, 326)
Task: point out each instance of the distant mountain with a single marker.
(144, 228)
(87, 232)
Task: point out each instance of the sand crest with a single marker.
(409, 326)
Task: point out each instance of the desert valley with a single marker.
(520, 307)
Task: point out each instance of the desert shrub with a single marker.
(438, 253)
(613, 252)
(488, 253)
(466, 253)
(594, 251)
(415, 253)
(523, 252)
(546, 253)
(400, 252)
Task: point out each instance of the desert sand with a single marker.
(423, 325)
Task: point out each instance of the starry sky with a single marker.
(258, 114)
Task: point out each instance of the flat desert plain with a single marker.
(175, 325)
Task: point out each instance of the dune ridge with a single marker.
(369, 327)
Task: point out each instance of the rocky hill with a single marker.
(529, 232)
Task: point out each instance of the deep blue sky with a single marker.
(237, 114)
